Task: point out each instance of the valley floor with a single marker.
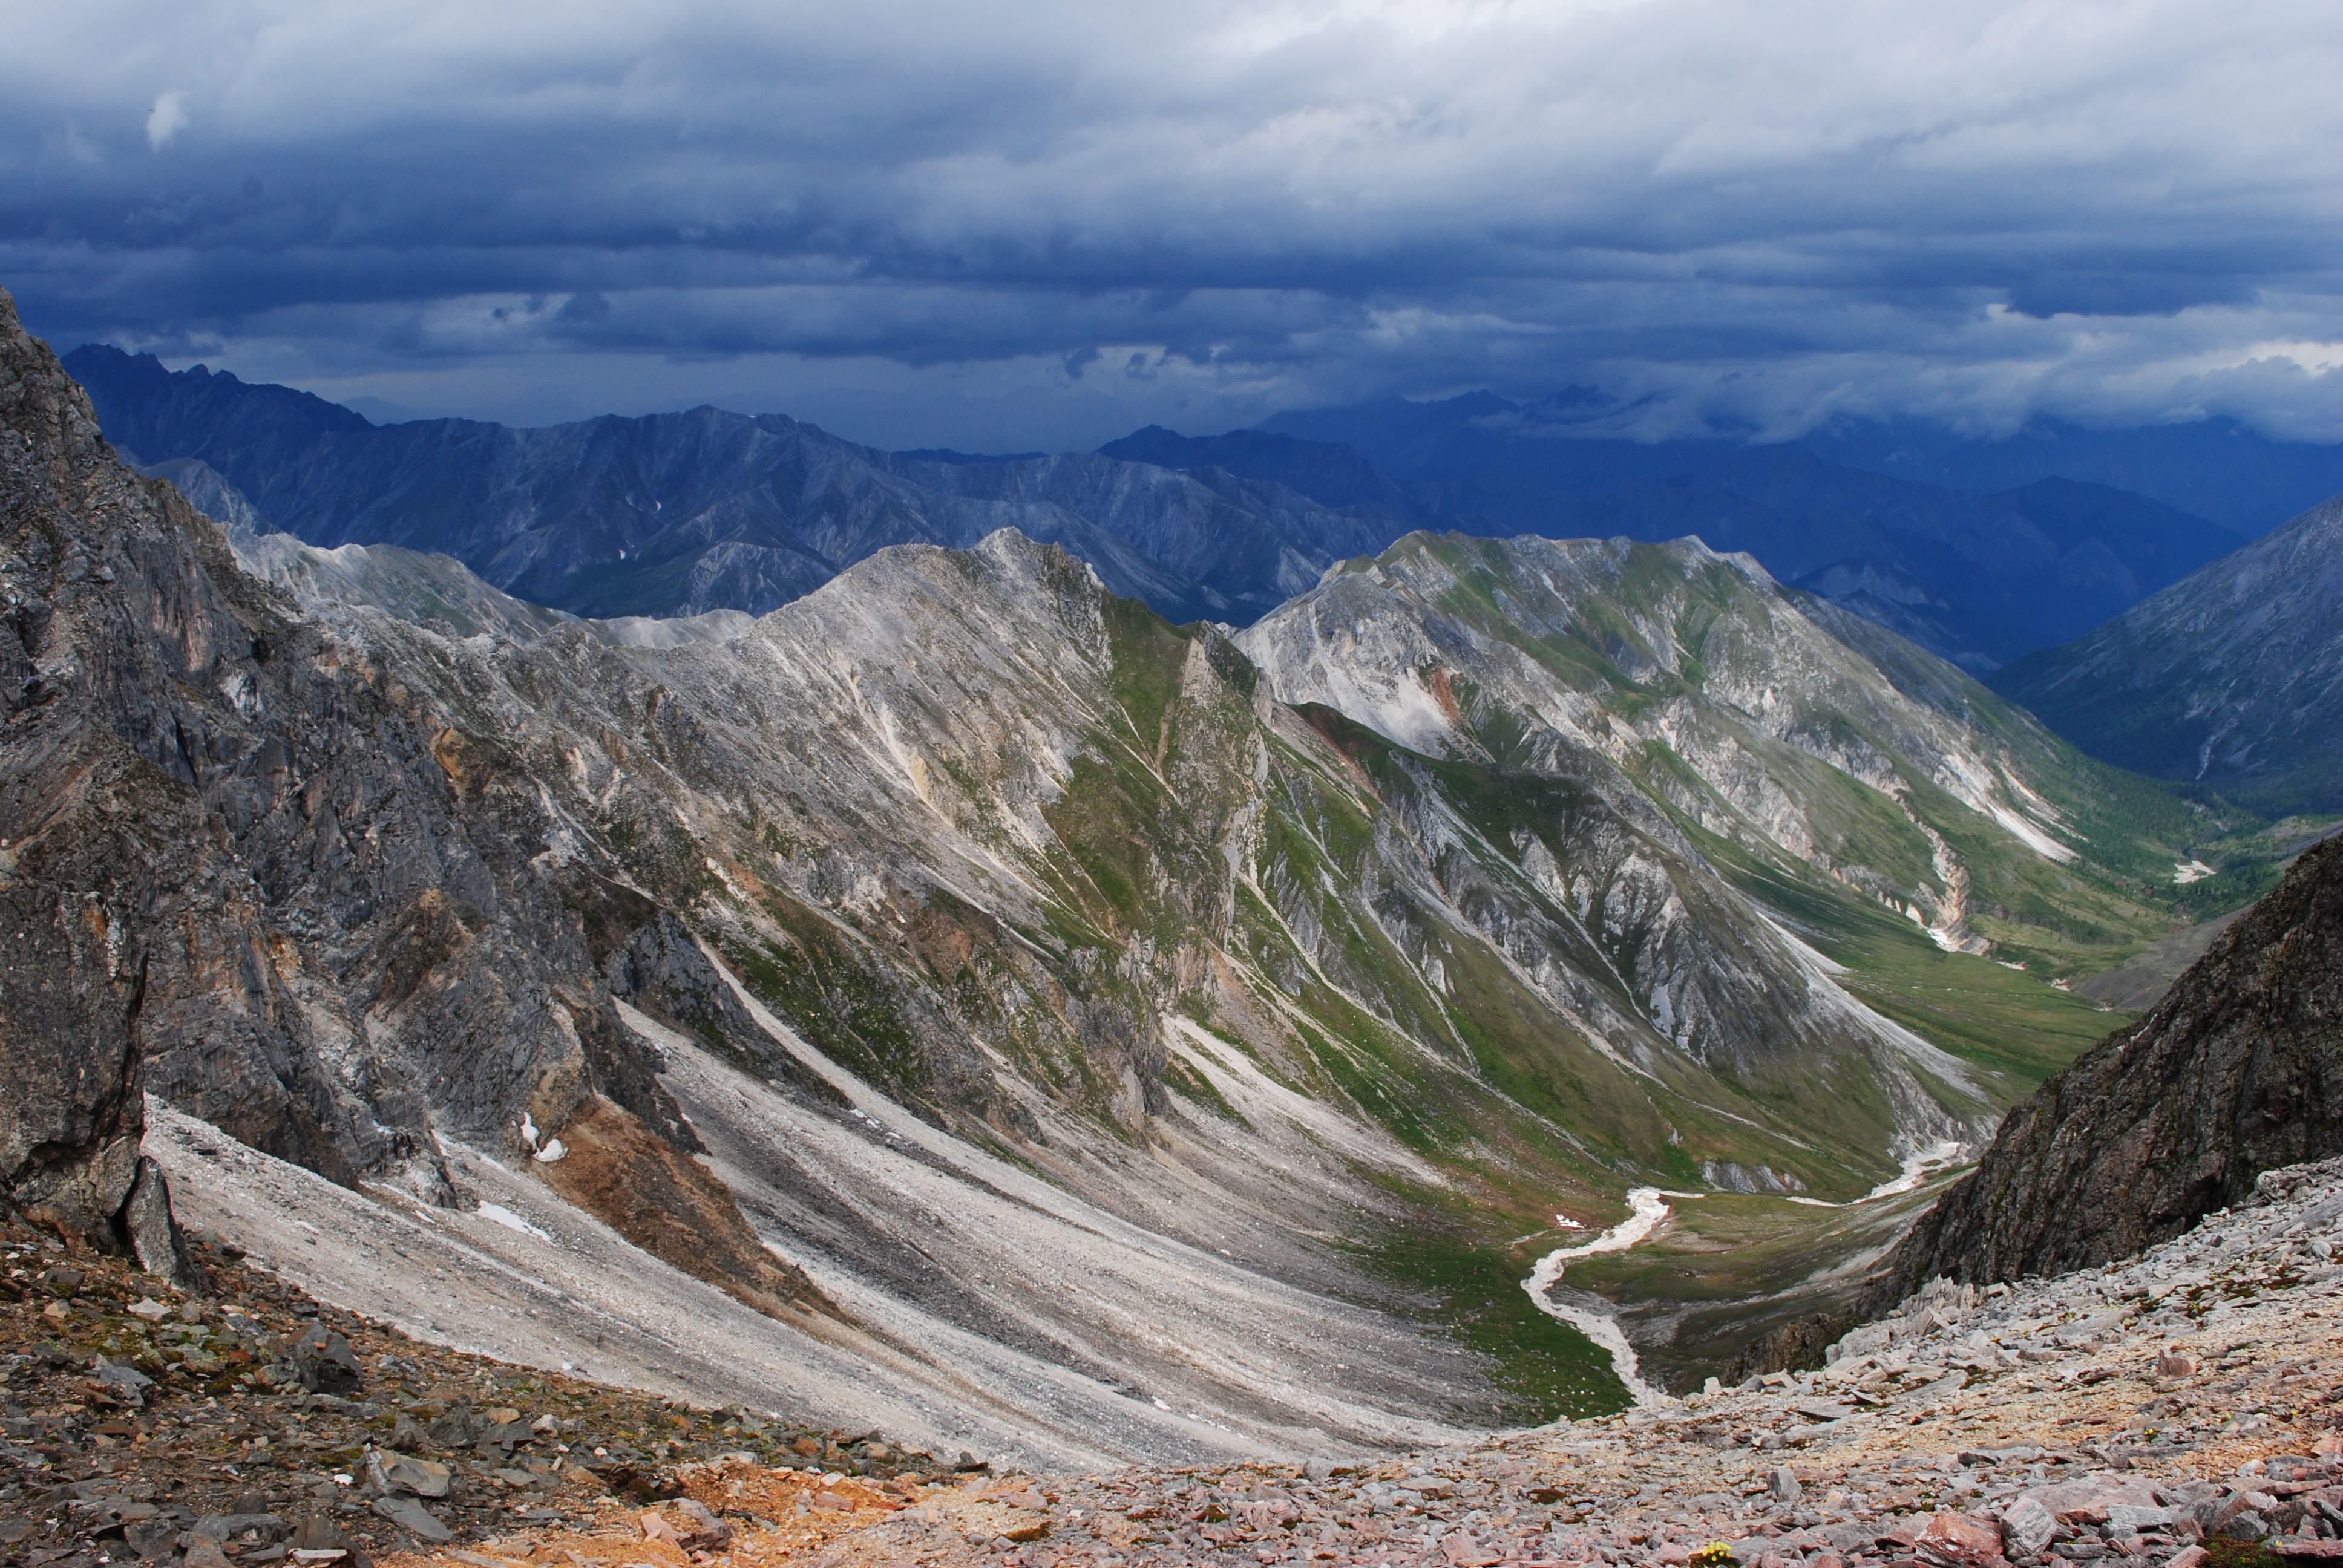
(2135, 1413)
(2128, 1414)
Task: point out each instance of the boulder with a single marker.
(2026, 1527)
(414, 1518)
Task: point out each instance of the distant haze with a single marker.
(1042, 226)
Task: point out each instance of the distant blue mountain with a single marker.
(680, 513)
(704, 510)
(2213, 468)
(1980, 579)
(2216, 469)
(2231, 676)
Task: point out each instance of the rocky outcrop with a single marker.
(2237, 1071)
(1694, 694)
(248, 870)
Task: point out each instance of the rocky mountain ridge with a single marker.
(2235, 1072)
(2232, 676)
(1005, 730)
(918, 817)
(1977, 580)
(961, 913)
(677, 514)
(1719, 692)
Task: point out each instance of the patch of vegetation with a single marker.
(826, 991)
(1733, 1267)
(1468, 1284)
(1193, 1086)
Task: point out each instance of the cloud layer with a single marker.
(928, 222)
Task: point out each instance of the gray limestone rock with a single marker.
(154, 1233)
(249, 870)
(2240, 1068)
(2026, 1526)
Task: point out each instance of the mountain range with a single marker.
(2231, 678)
(677, 514)
(1978, 579)
(680, 513)
(962, 925)
(1575, 443)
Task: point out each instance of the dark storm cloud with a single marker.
(1751, 213)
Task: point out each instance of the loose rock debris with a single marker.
(2178, 1411)
(249, 1425)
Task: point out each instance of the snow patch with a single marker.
(511, 1221)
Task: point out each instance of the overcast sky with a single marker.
(1038, 225)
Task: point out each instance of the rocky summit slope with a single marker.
(2238, 1070)
(677, 514)
(2232, 675)
(2169, 1408)
(2173, 1410)
(239, 1421)
(248, 872)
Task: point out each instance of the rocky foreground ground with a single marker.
(2177, 1409)
(245, 1422)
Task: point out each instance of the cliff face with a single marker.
(247, 868)
(2237, 1071)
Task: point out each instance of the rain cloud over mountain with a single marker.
(917, 224)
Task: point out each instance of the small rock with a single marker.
(414, 1518)
(257, 1520)
(1957, 1540)
(316, 1533)
(2026, 1527)
(125, 1383)
(323, 1361)
(713, 1535)
(2130, 1519)
(151, 1310)
(418, 1477)
(153, 1539)
(1782, 1486)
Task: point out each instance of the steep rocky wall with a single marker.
(2237, 1071)
(247, 868)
